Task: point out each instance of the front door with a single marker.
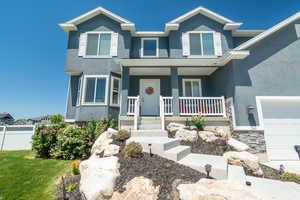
(149, 94)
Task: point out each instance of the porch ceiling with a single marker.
(191, 62)
(163, 71)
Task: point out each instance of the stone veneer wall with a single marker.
(254, 139)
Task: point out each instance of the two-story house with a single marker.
(200, 63)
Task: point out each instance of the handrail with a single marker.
(162, 112)
(136, 112)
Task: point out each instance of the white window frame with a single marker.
(201, 56)
(189, 79)
(111, 91)
(99, 33)
(84, 90)
(79, 92)
(157, 47)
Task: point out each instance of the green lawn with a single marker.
(24, 177)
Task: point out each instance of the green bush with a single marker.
(198, 121)
(122, 135)
(56, 119)
(133, 150)
(44, 139)
(291, 177)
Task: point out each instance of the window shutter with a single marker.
(297, 26)
(82, 44)
(114, 44)
(218, 44)
(185, 44)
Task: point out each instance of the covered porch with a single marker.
(168, 92)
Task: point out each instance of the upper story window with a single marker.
(98, 44)
(95, 90)
(202, 44)
(149, 47)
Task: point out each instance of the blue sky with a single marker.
(32, 46)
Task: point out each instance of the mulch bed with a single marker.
(67, 181)
(163, 172)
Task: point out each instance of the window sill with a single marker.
(114, 105)
(97, 57)
(202, 56)
(93, 104)
(149, 56)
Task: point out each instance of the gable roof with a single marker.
(268, 32)
(5, 116)
(72, 24)
(229, 24)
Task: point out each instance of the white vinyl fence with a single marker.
(16, 137)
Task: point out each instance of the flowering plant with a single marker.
(75, 167)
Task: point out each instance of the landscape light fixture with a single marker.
(150, 151)
(208, 170)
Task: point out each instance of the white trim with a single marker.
(68, 95)
(84, 89)
(173, 62)
(191, 79)
(246, 33)
(70, 120)
(111, 91)
(157, 47)
(99, 35)
(203, 11)
(200, 34)
(79, 93)
(268, 32)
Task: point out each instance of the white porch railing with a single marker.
(207, 106)
(162, 112)
(168, 105)
(134, 109)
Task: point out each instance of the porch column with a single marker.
(175, 90)
(124, 92)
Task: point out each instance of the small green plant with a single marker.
(56, 119)
(133, 150)
(167, 165)
(71, 188)
(198, 121)
(122, 135)
(291, 177)
(75, 167)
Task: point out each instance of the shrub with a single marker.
(56, 119)
(133, 150)
(198, 121)
(75, 167)
(71, 188)
(122, 135)
(290, 177)
(44, 140)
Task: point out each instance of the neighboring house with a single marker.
(6, 119)
(197, 64)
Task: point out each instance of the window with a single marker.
(149, 47)
(191, 87)
(201, 44)
(98, 44)
(115, 91)
(95, 90)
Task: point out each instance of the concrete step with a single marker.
(149, 133)
(149, 118)
(236, 174)
(158, 144)
(149, 126)
(177, 153)
(147, 121)
(198, 162)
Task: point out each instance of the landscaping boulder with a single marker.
(136, 189)
(103, 144)
(174, 127)
(207, 136)
(112, 131)
(237, 145)
(245, 159)
(187, 135)
(98, 177)
(208, 189)
(221, 132)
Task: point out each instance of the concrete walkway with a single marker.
(290, 166)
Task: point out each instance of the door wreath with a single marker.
(149, 90)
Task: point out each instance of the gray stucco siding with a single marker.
(197, 23)
(272, 69)
(94, 66)
(136, 45)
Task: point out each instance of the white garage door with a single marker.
(281, 120)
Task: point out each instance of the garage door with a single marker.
(281, 120)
